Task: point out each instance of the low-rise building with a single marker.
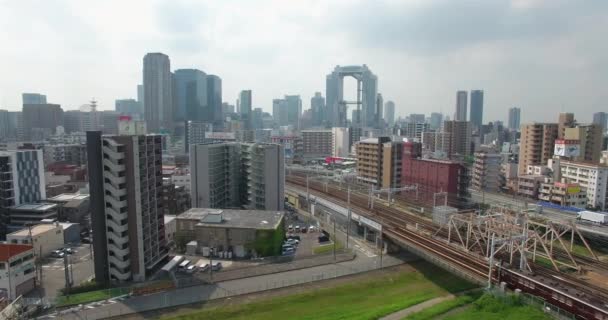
(22, 214)
(170, 229)
(528, 185)
(73, 207)
(45, 238)
(591, 177)
(17, 270)
(563, 194)
(245, 233)
(486, 172)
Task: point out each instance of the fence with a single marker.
(534, 301)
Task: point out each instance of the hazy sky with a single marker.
(543, 56)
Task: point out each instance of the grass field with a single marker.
(90, 296)
(368, 299)
(489, 307)
(443, 307)
(327, 248)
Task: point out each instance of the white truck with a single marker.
(595, 217)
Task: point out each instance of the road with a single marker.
(553, 214)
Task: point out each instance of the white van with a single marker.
(184, 265)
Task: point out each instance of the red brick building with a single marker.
(434, 176)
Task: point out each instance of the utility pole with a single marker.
(491, 263)
(335, 239)
(348, 223)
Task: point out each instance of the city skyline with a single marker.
(529, 75)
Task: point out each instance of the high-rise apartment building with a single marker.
(379, 121)
(460, 138)
(33, 98)
(4, 125)
(590, 138)
(536, 145)
(476, 109)
(601, 118)
(565, 120)
(461, 106)
(21, 181)
(126, 185)
(486, 172)
(341, 142)
(279, 111)
(317, 105)
(41, 120)
(237, 175)
(514, 119)
(294, 110)
(158, 92)
(379, 162)
(245, 108)
(389, 113)
(317, 143)
(416, 118)
(436, 120)
(214, 100)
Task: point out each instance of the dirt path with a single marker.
(416, 308)
(454, 311)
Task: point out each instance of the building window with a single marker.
(2, 266)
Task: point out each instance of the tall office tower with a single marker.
(191, 96)
(214, 100)
(461, 106)
(460, 138)
(294, 110)
(590, 138)
(41, 120)
(436, 120)
(229, 175)
(279, 111)
(140, 95)
(379, 122)
(317, 105)
(4, 125)
(21, 181)
(245, 108)
(536, 145)
(128, 107)
(227, 108)
(389, 113)
(601, 118)
(356, 118)
(416, 118)
(514, 119)
(476, 109)
(565, 120)
(367, 84)
(256, 118)
(125, 182)
(158, 92)
(33, 98)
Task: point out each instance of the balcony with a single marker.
(113, 178)
(111, 223)
(113, 166)
(113, 154)
(114, 191)
(120, 275)
(119, 263)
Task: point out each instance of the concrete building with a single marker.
(514, 120)
(125, 183)
(486, 172)
(45, 237)
(317, 143)
(293, 146)
(341, 142)
(317, 105)
(367, 83)
(461, 106)
(601, 118)
(75, 154)
(593, 178)
(379, 162)
(191, 96)
(214, 100)
(73, 207)
(237, 175)
(158, 92)
(389, 113)
(590, 138)
(528, 185)
(17, 265)
(279, 112)
(565, 120)
(414, 130)
(245, 108)
(33, 98)
(31, 213)
(294, 110)
(436, 120)
(129, 107)
(476, 109)
(563, 194)
(536, 144)
(236, 231)
(41, 120)
(460, 138)
(434, 176)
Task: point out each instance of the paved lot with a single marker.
(53, 272)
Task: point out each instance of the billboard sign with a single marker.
(567, 148)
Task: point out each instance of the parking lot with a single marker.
(53, 271)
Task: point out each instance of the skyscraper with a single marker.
(514, 118)
(225, 175)
(379, 120)
(33, 98)
(245, 108)
(191, 96)
(41, 120)
(279, 111)
(389, 113)
(460, 138)
(317, 105)
(294, 110)
(158, 92)
(461, 106)
(601, 118)
(367, 83)
(129, 107)
(125, 182)
(436, 120)
(477, 109)
(214, 100)
(140, 94)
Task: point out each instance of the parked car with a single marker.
(288, 251)
(294, 237)
(293, 242)
(323, 238)
(85, 240)
(203, 268)
(287, 246)
(184, 265)
(297, 228)
(311, 229)
(68, 250)
(304, 230)
(216, 266)
(58, 254)
(191, 268)
(290, 228)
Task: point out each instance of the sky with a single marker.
(544, 56)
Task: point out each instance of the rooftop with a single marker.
(35, 206)
(9, 250)
(36, 230)
(234, 218)
(69, 196)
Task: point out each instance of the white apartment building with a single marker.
(45, 238)
(592, 177)
(17, 269)
(340, 145)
